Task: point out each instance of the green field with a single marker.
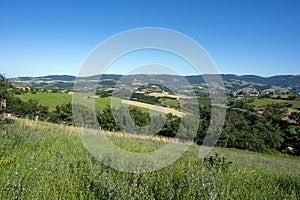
(47, 161)
(101, 103)
(54, 99)
(168, 102)
(264, 101)
(48, 99)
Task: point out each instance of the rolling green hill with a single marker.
(232, 82)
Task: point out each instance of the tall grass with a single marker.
(46, 161)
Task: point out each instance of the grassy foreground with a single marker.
(46, 161)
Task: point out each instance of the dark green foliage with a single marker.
(243, 104)
(144, 98)
(103, 94)
(171, 126)
(250, 132)
(4, 82)
(17, 91)
(295, 116)
(62, 114)
(73, 114)
(275, 112)
(219, 164)
(131, 120)
(106, 119)
(261, 132)
(55, 90)
(140, 118)
(33, 91)
(291, 97)
(28, 109)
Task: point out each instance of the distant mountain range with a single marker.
(231, 81)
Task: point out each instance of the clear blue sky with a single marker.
(243, 36)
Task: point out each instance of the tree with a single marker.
(275, 112)
(171, 126)
(4, 82)
(140, 118)
(62, 114)
(295, 116)
(204, 121)
(245, 130)
(106, 119)
(4, 86)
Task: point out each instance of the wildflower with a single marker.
(222, 189)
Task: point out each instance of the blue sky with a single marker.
(242, 37)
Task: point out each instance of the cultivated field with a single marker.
(154, 107)
(166, 94)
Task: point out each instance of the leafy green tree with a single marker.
(295, 116)
(29, 109)
(62, 114)
(140, 118)
(4, 82)
(106, 119)
(70, 114)
(243, 104)
(275, 112)
(5, 85)
(292, 133)
(204, 121)
(171, 126)
(157, 122)
(33, 91)
(83, 115)
(245, 130)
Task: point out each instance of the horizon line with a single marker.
(39, 76)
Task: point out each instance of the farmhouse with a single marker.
(10, 116)
(23, 87)
(241, 93)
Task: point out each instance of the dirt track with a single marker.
(166, 94)
(153, 107)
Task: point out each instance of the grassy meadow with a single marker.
(53, 99)
(264, 101)
(48, 99)
(48, 161)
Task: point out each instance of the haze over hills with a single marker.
(232, 82)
